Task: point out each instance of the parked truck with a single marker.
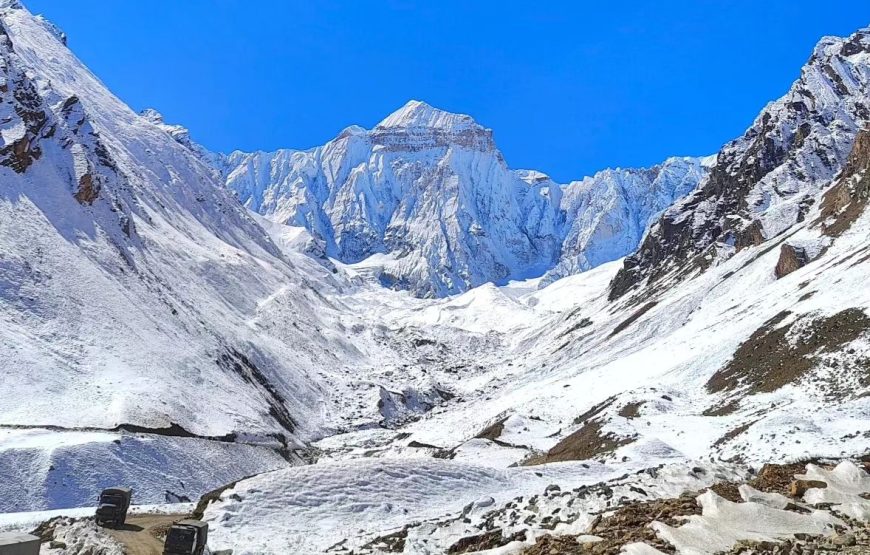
(186, 537)
(14, 543)
(113, 506)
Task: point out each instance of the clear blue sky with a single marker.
(568, 87)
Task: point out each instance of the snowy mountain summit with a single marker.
(426, 202)
(417, 116)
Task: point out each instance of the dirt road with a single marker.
(143, 534)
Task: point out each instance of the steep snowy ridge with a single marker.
(764, 182)
(430, 190)
(137, 295)
(182, 136)
(608, 214)
(90, 216)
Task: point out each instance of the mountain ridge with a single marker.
(371, 192)
(763, 180)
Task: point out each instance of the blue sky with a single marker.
(568, 87)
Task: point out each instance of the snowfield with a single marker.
(662, 364)
(317, 505)
(309, 509)
(45, 469)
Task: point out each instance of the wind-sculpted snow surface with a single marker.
(724, 523)
(309, 509)
(279, 511)
(429, 190)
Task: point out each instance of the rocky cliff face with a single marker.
(430, 193)
(847, 199)
(766, 181)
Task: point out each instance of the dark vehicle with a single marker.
(186, 537)
(12, 543)
(114, 503)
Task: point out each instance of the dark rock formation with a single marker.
(791, 152)
(791, 258)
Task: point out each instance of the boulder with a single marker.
(799, 487)
(791, 258)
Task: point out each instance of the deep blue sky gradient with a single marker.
(568, 87)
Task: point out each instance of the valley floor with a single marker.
(797, 508)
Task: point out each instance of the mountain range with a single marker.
(426, 202)
(394, 342)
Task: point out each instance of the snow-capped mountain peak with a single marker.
(426, 202)
(417, 114)
(417, 126)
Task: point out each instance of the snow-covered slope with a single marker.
(138, 297)
(430, 193)
(128, 276)
(736, 365)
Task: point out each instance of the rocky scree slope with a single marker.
(428, 202)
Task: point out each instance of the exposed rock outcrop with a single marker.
(761, 181)
(791, 258)
(847, 199)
